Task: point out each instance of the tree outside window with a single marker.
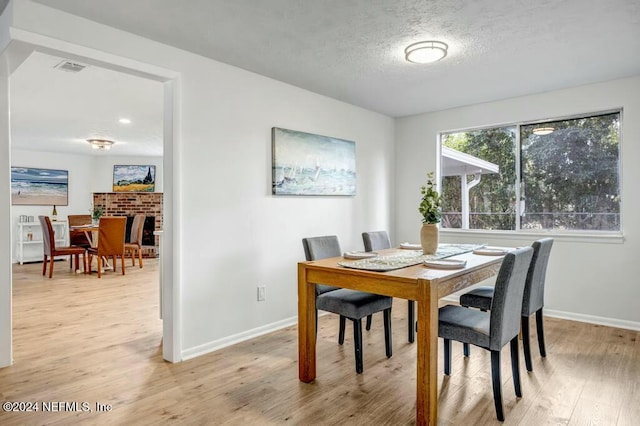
(568, 176)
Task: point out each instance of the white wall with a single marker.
(5, 209)
(587, 279)
(87, 174)
(234, 235)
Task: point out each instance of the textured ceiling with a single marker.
(56, 111)
(353, 50)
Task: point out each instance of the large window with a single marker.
(556, 175)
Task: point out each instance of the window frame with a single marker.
(606, 236)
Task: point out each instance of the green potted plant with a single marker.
(96, 214)
(429, 208)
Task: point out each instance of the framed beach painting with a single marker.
(134, 178)
(39, 187)
(308, 164)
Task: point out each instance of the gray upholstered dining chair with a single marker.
(533, 299)
(379, 240)
(492, 330)
(350, 304)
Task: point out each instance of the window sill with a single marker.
(599, 238)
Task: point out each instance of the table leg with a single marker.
(427, 368)
(306, 327)
(411, 319)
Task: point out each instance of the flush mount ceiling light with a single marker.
(424, 52)
(541, 131)
(100, 144)
(124, 120)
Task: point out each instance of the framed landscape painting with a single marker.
(308, 164)
(134, 178)
(39, 187)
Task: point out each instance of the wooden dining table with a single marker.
(419, 283)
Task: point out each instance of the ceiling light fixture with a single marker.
(124, 121)
(541, 131)
(100, 144)
(424, 52)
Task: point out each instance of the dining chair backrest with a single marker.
(378, 240)
(534, 289)
(316, 248)
(506, 305)
(137, 228)
(78, 237)
(111, 235)
(48, 235)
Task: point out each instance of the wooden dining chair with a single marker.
(78, 238)
(533, 299)
(347, 303)
(111, 235)
(492, 330)
(379, 240)
(134, 246)
(51, 251)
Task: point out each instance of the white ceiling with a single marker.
(56, 111)
(349, 50)
(353, 50)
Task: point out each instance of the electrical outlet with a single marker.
(262, 293)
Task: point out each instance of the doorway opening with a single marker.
(99, 174)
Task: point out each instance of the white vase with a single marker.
(429, 238)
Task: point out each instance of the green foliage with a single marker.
(429, 206)
(492, 201)
(574, 171)
(96, 212)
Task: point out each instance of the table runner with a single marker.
(406, 258)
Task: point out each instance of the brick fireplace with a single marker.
(132, 203)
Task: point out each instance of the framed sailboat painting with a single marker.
(309, 164)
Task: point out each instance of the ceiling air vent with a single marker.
(70, 66)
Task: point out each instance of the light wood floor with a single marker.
(84, 339)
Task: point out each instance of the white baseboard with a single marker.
(591, 319)
(278, 325)
(237, 338)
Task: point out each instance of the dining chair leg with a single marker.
(84, 262)
(121, 263)
(133, 258)
(44, 265)
(387, 332)
(99, 261)
(369, 318)
(466, 349)
(51, 259)
(447, 357)
(71, 261)
(497, 384)
(357, 344)
(526, 344)
(343, 321)
(140, 256)
(515, 366)
(540, 331)
(411, 319)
